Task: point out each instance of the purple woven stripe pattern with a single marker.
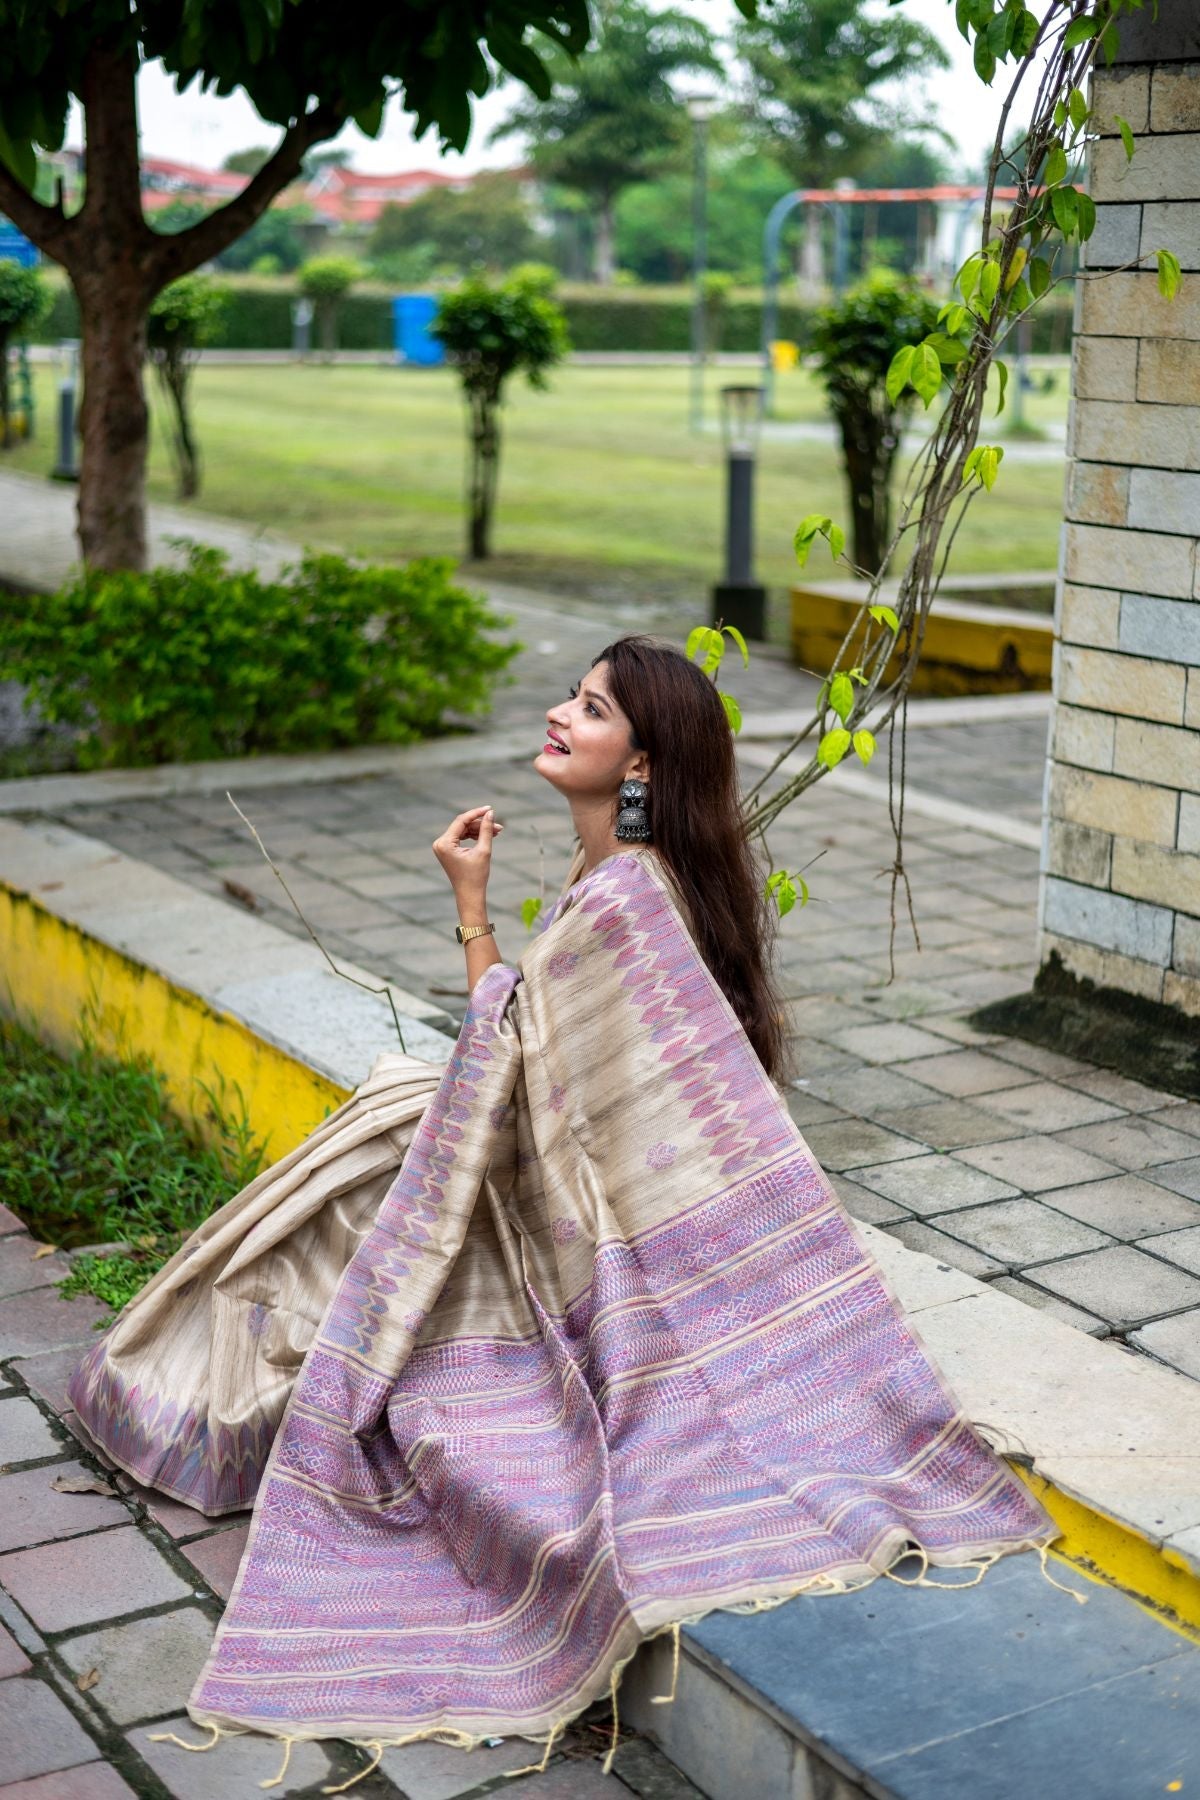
(732, 1406)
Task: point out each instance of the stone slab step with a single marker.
(1009, 1688)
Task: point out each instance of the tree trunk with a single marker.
(605, 250)
(174, 375)
(869, 445)
(114, 282)
(485, 468)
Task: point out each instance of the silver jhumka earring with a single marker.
(633, 822)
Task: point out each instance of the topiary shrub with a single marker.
(326, 280)
(186, 664)
(854, 341)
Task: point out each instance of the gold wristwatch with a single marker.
(465, 933)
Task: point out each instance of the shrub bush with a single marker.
(179, 665)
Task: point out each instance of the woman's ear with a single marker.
(639, 768)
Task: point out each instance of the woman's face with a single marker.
(588, 751)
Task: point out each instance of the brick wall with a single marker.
(1121, 849)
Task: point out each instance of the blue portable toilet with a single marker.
(16, 247)
(412, 317)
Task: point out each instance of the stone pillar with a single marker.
(1120, 902)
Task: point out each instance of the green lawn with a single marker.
(603, 491)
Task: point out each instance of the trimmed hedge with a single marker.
(258, 316)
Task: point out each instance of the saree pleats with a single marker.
(610, 1355)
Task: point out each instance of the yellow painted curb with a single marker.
(55, 973)
(1104, 1550)
(966, 649)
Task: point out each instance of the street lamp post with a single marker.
(700, 110)
(739, 600)
(67, 358)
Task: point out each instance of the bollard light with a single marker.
(302, 318)
(740, 600)
(66, 360)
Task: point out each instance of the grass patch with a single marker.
(604, 493)
(90, 1154)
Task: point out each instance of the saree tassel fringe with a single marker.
(570, 1334)
(539, 1768)
(606, 1765)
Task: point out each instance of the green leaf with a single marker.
(948, 350)
(1060, 114)
(899, 371)
(733, 712)
(1019, 297)
(1079, 31)
(883, 615)
(19, 157)
(814, 526)
(833, 747)
(1039, 274)
(704, 638)
(864, 745)
(1085, 216)
(984, 462)
(740, 641)
(1078, 110)
(1056, 166)
(1026, 33)
(1064, 204)
(989, 284)
(1002, 378)
(968, 276)
(926, 374)
(782, 889)
(1127, 137)
(985, 62)
(1168, 274)
(530, 911)
(841, 696)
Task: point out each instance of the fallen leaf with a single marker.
(43, 1250)
(80, 1484)
(87, 1680)
(243, 895)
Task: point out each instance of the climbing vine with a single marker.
(1018, 263)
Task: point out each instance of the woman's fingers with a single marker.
(466, 829)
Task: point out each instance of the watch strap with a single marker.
(466, 933)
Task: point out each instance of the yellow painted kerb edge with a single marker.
(55, 972)
(1103, 1549)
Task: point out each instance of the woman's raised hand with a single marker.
(465, 852)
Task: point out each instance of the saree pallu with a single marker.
(609, 1355)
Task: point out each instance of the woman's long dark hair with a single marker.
(696, 825)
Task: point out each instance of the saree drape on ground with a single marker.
(607, 1354)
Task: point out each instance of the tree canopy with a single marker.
(814, 71)
(487, 222)
(614, 116)
(309, 67)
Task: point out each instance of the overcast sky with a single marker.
(202, 129)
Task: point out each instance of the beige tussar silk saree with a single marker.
(527, 1359)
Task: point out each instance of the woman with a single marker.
(605, 1354)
